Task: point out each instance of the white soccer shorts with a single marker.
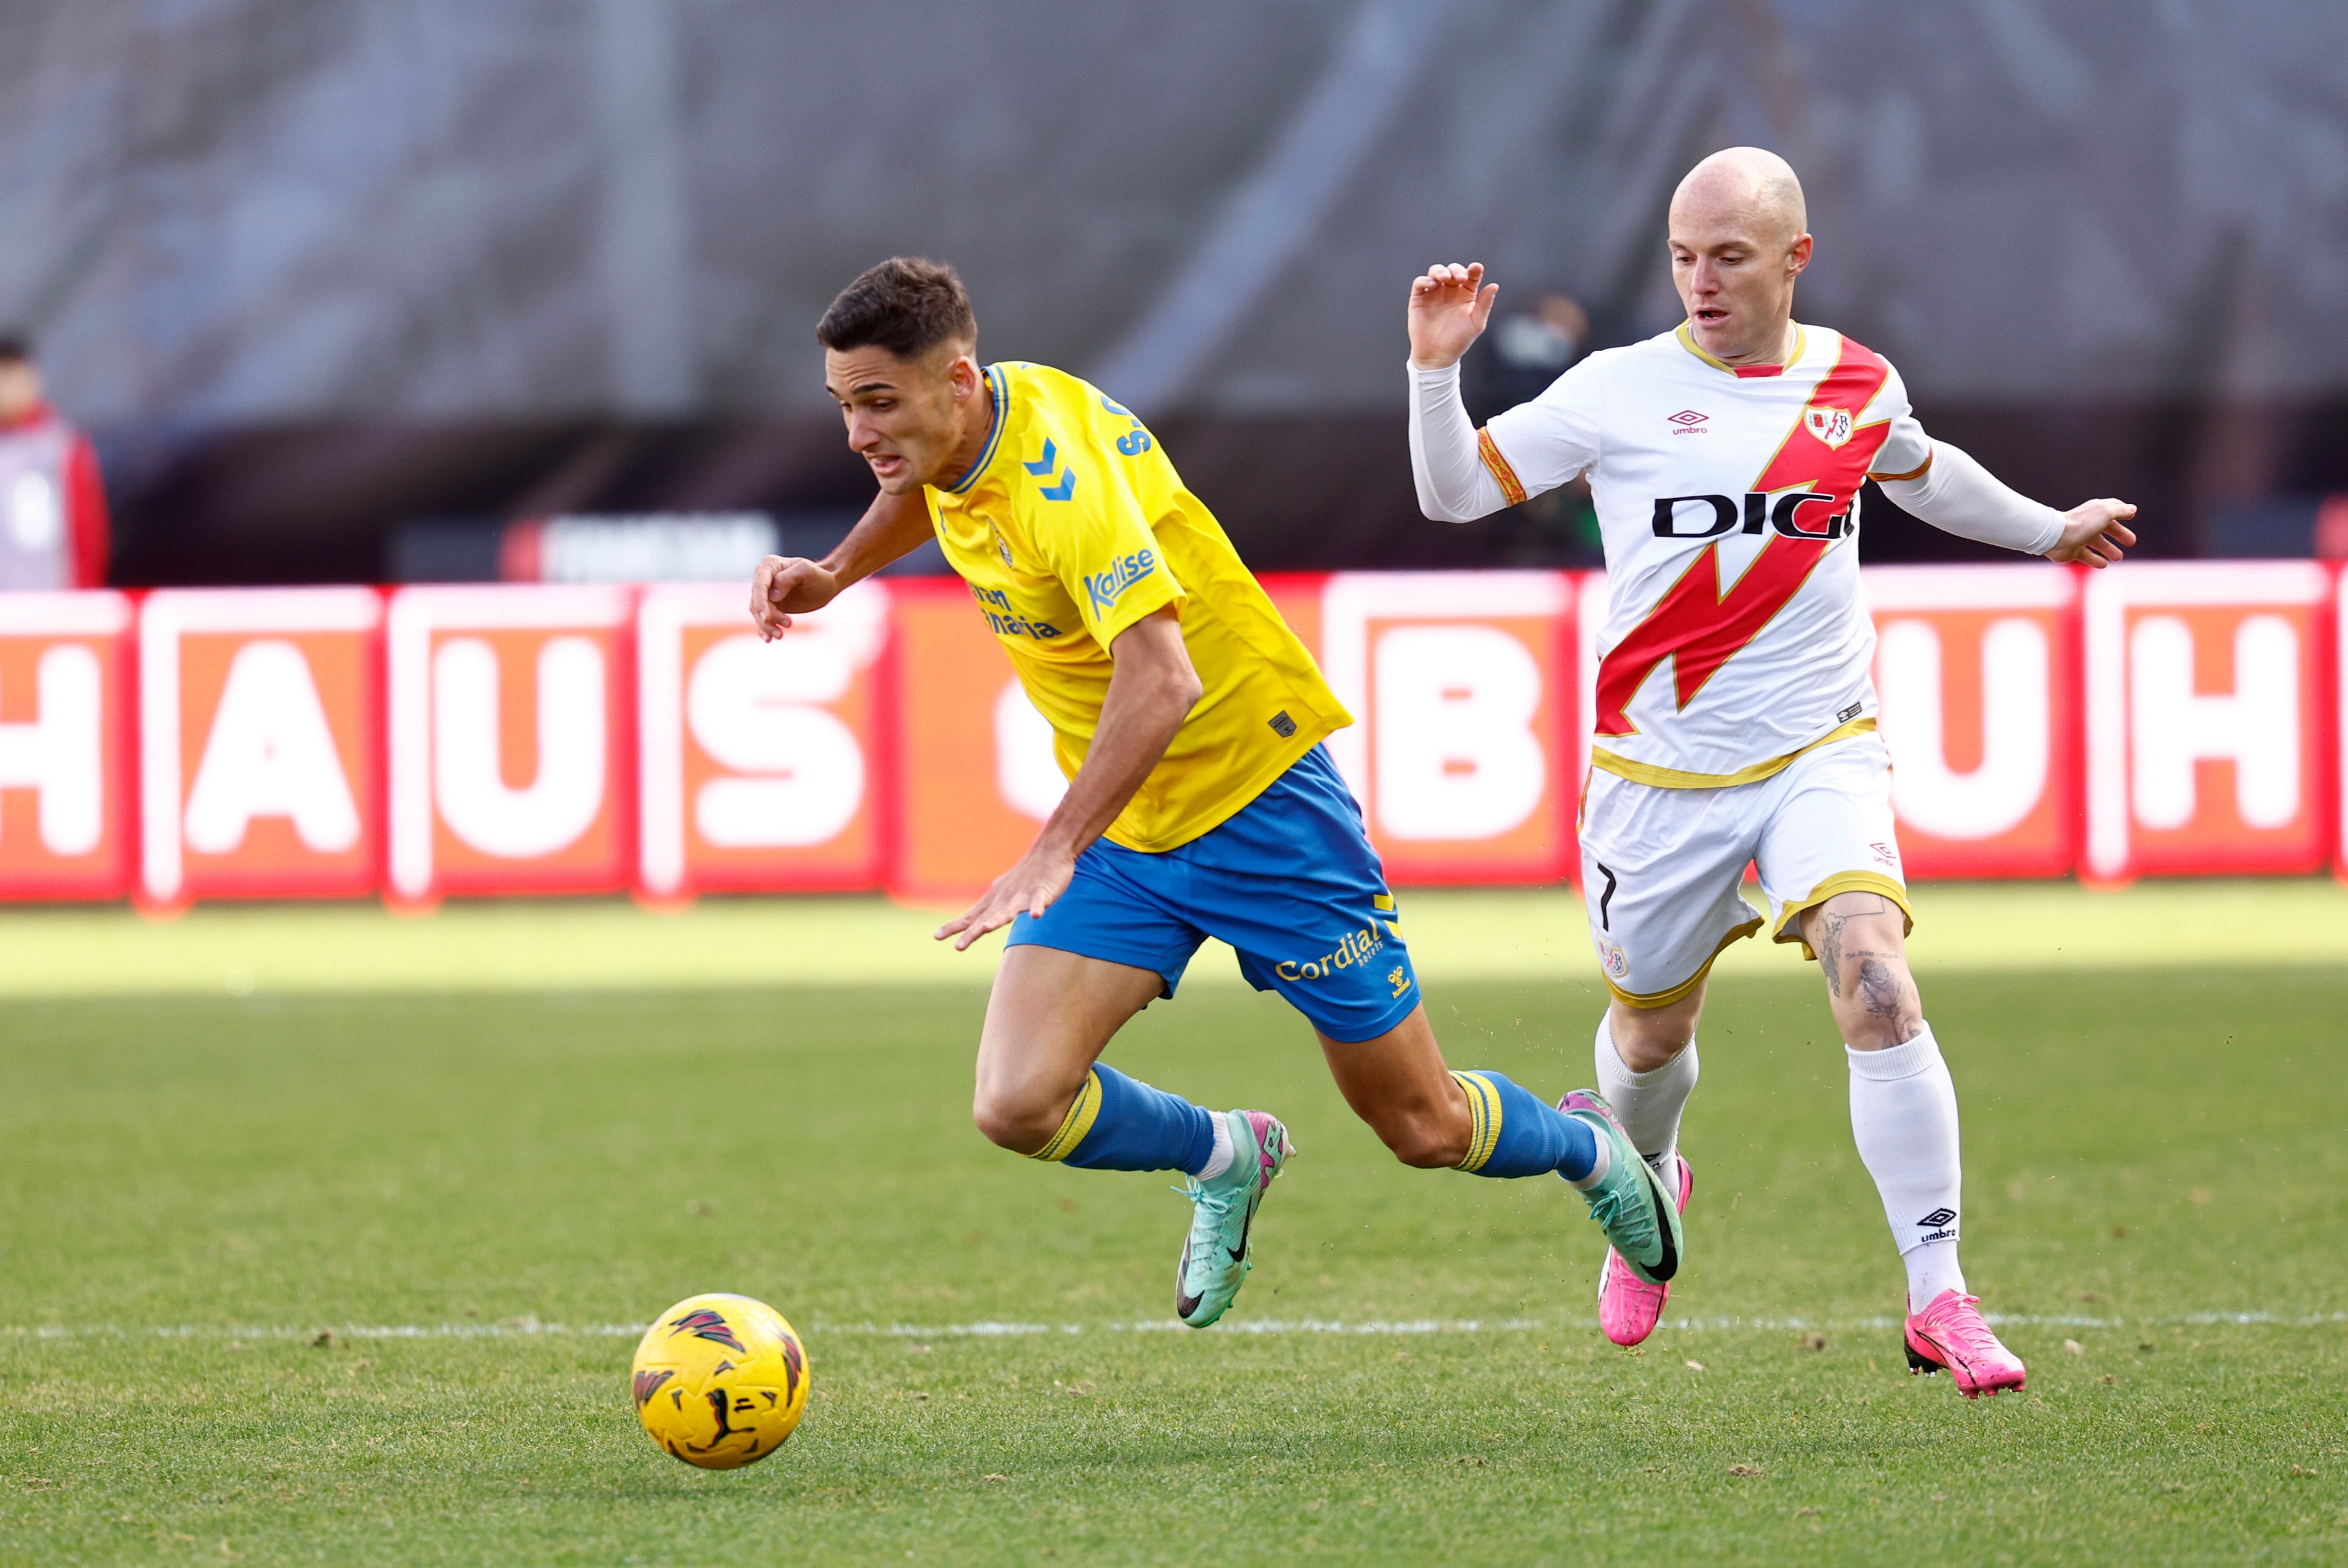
(1661, 868)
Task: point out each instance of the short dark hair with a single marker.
(15, 348)
(906, 305)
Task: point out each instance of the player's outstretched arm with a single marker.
(891, 528)
(1151, 691)
(1448, 307)
(1956, 495)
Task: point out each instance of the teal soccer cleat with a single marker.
(1630, 1204)
(1218, 1255)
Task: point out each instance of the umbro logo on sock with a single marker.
(1938, 1217)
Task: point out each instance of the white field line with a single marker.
(532, 1329)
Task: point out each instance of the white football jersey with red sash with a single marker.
(1728, 499)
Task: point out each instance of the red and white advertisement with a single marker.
(511, 760)
(1973, 669)
(65, 746)
(761, 763)
(2158, 719)
(261, 745)
(1461, 689)
(2208, 715)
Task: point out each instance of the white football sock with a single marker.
(1932, 1269)
(1218, 1158)
(1903, 1115)
(1647, 1104)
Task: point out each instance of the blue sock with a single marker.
(1120, 1124)
(1517, 1135)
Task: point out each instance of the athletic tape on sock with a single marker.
(1077, 1123)
(1483, 1117)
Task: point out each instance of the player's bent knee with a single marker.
(1647, 1041)
(1021, 1123)
(1424, 1142)
(1875, 1002)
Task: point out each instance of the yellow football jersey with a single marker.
(1071, 527)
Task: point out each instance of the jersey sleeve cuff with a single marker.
(1148, 596)
(1918, 472)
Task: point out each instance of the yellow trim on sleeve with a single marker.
(1677, 778)
(1666, 998)
(1788, 928)
(1510, 486)
(1484, 1120)
(1914, 473)
(1079, 1121)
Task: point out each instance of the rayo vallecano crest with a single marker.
(1831, 425)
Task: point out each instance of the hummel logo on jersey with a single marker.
(1940, 1216)
(1689, 421)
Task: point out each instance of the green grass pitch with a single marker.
(192, 1189)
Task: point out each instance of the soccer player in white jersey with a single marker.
(1735, 719)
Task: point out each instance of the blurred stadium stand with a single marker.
(315, 269)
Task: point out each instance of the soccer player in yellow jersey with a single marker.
(1201, 801)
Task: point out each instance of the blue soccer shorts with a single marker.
(1291, 883)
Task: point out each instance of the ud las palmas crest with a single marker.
(1831, 425)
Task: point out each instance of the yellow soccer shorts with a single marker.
(1662, 868)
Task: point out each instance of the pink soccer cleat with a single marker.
(1950, 1333)
(1628, 1306)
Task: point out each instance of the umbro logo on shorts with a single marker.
(1940, 1217)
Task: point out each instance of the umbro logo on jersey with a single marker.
(1940, 1217)
(1689, 421)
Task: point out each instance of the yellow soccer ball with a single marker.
(720, 1380)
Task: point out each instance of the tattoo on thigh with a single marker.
(1830, 953)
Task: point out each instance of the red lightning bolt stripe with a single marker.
(1697, 626)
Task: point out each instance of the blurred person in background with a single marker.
(1524, 352)
(1514, 363)
(53, 531)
